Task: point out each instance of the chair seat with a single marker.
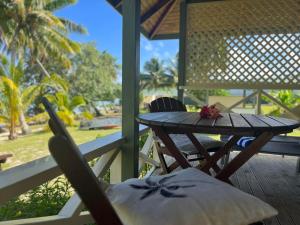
(188, 197)
(186, 146)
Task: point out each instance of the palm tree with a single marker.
(30, 26)
(172, 69)
(155, 76)
(33, 27)
(15, 98)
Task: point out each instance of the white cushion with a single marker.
(187, 197)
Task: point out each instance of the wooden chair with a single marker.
(167, 104)
(75, 167)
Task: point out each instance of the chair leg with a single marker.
(163, 163)
(225, 159)
(298, 166)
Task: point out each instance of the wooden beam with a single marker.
(154, 9)
(130, 87)
(258, 102)
(181, 60)
(163, 16)
(241, 101)
(202, 1)
(115, 3)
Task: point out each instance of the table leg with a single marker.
(202, 151)
(220, 153)
(172, 148)
(244, 156)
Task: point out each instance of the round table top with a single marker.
(229, 123)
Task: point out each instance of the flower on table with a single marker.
(210, 112)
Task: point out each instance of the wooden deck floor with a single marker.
(274, 180)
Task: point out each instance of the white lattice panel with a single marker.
(243, 44)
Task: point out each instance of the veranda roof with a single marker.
(160, 19)
(229, 43)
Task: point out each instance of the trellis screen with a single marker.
(243, 44)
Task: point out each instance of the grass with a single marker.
(34, 146)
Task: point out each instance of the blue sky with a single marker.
(104, 25)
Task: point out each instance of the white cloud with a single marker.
(161, 44)
(148, 47)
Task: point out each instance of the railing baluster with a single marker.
(74, 206)
(18, 180)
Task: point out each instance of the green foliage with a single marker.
(201, 94)
(287, 98)
(45, 200)
(66, 106)
(31, 26)
(156, 75)
(94, 75)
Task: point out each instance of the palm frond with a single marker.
(29, 95)
(77, 101)
(58, 4)
(73, 27)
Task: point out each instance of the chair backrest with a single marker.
(166, 104)
(72, 163)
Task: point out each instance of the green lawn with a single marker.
(33, 146)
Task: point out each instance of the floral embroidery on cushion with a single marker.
(165, 189)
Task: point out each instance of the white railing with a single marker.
(20, 179)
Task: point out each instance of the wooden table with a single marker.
(263, 128)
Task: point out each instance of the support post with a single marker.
(244, 96)
(130, 86)
(258, 102)
(181, 60)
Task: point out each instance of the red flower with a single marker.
(210, 112)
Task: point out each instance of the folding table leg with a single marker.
(244, 156)
(202, 150)
(169, 143)
(220, 153)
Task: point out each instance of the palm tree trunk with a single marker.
(43, 68)
(12, 129)
(97, 112)
(24, 126)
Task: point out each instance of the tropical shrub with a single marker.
(44, 200)
(287, 98)
(66, 106)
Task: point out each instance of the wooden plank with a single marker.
(238, 121)
(148, 117)
(275, 187)
(285, 120)
(253, 121)
(270, 121)
(223, 121)
(22, 178)
(206, 122)
(167, 9)
(177, 117)
(154, 9)
(192, 120)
